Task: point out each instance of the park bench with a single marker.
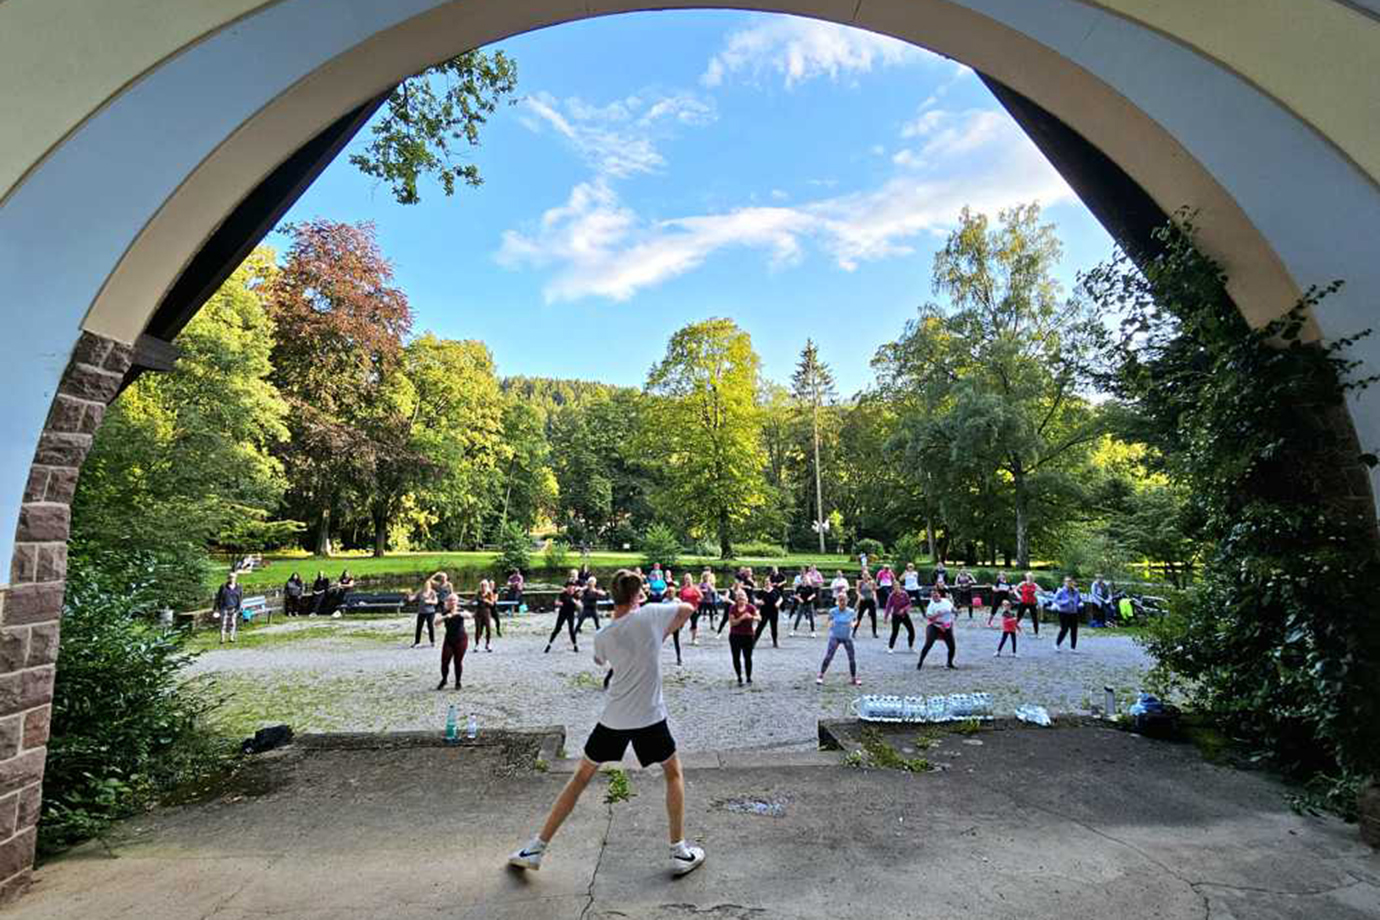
(251, 607)
(375, 602)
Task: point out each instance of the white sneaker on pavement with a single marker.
(529, 857)
(686, 859)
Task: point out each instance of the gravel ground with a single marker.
(367, 678)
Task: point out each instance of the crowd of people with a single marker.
(754, 605)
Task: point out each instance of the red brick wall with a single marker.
(32, 603)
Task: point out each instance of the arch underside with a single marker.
(99, 231)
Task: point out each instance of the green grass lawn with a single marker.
(420, 565)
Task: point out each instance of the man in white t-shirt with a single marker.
(634, 714)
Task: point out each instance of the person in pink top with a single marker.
(886, 580)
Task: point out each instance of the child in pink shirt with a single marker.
(1010, 628)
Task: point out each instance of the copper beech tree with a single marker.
(340, 328)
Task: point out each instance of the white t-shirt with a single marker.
(912, 581)
(838, 584)
(940, 613)
(632, 646)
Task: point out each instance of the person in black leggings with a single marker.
(939, 625)
(804, 606)
(898, 611)
(425, 596)
(769, 612)
(709, 605)
(741, 636)
(565, 614)
(589, 604)
(867, 602)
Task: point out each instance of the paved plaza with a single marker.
(344, 675)
(1021, 824)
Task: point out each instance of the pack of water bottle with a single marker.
(1035, 715)
(951, 707)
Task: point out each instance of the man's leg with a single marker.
(675, 799)
(565, 802)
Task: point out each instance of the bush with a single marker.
(557, 555)
(1086, 553)
(659, 544)
(759, 549)
(125, 729)
(873, 548)
(514, 549)
(911, 547)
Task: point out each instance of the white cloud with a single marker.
(618, 139)
(596, 246)
(778, 194)
(799, 49)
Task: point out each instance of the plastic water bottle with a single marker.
(471, 727)
(452, 729)
(1109, 708)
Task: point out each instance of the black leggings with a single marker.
(897, 621)
(741, 645)
(430, 620)
(608, 677)
(1002, 644)
(483, 628)
(804, 609)
(587, 614)
(567, 620)
(868, 607)
(933, 633)
(883, 593)
(1068, 626)
(675, 637)
(1023, 608)
(705, 609)
(767, 617)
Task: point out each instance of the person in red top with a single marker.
(689, 594)
(1029, 603)
(742, 623)
(1010, 627)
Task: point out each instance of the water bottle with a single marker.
(452, 730)
(471, 727)
(1109, 708)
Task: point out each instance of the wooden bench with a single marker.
(377, 602)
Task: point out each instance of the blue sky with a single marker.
(662, 168)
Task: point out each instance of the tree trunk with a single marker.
(725, 538)
(819, 488)
(1022, 521)
(380, 534)
(323, 533)
(929, 537)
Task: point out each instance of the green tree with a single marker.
(459, 429)
(813, 384)
(996, 375)
(529, 485)
(428, 113)
(340, 327)
(183, 458)
(701, 426)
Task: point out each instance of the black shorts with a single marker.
(652, 744)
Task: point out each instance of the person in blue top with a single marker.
(656, 584)
(841, 633)
(1068, 602)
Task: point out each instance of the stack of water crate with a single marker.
(951, 707)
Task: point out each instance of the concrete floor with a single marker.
(1059, 823)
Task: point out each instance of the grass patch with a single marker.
(261, 637)
(583, 680)
(967, 727)
(619, 789)
(877, 752)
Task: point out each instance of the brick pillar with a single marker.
(32, 603)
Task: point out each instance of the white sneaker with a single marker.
(890, 650)
(813, 634)
(687, 860)
(996, 654)
(526, 858)
(1058, 650)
